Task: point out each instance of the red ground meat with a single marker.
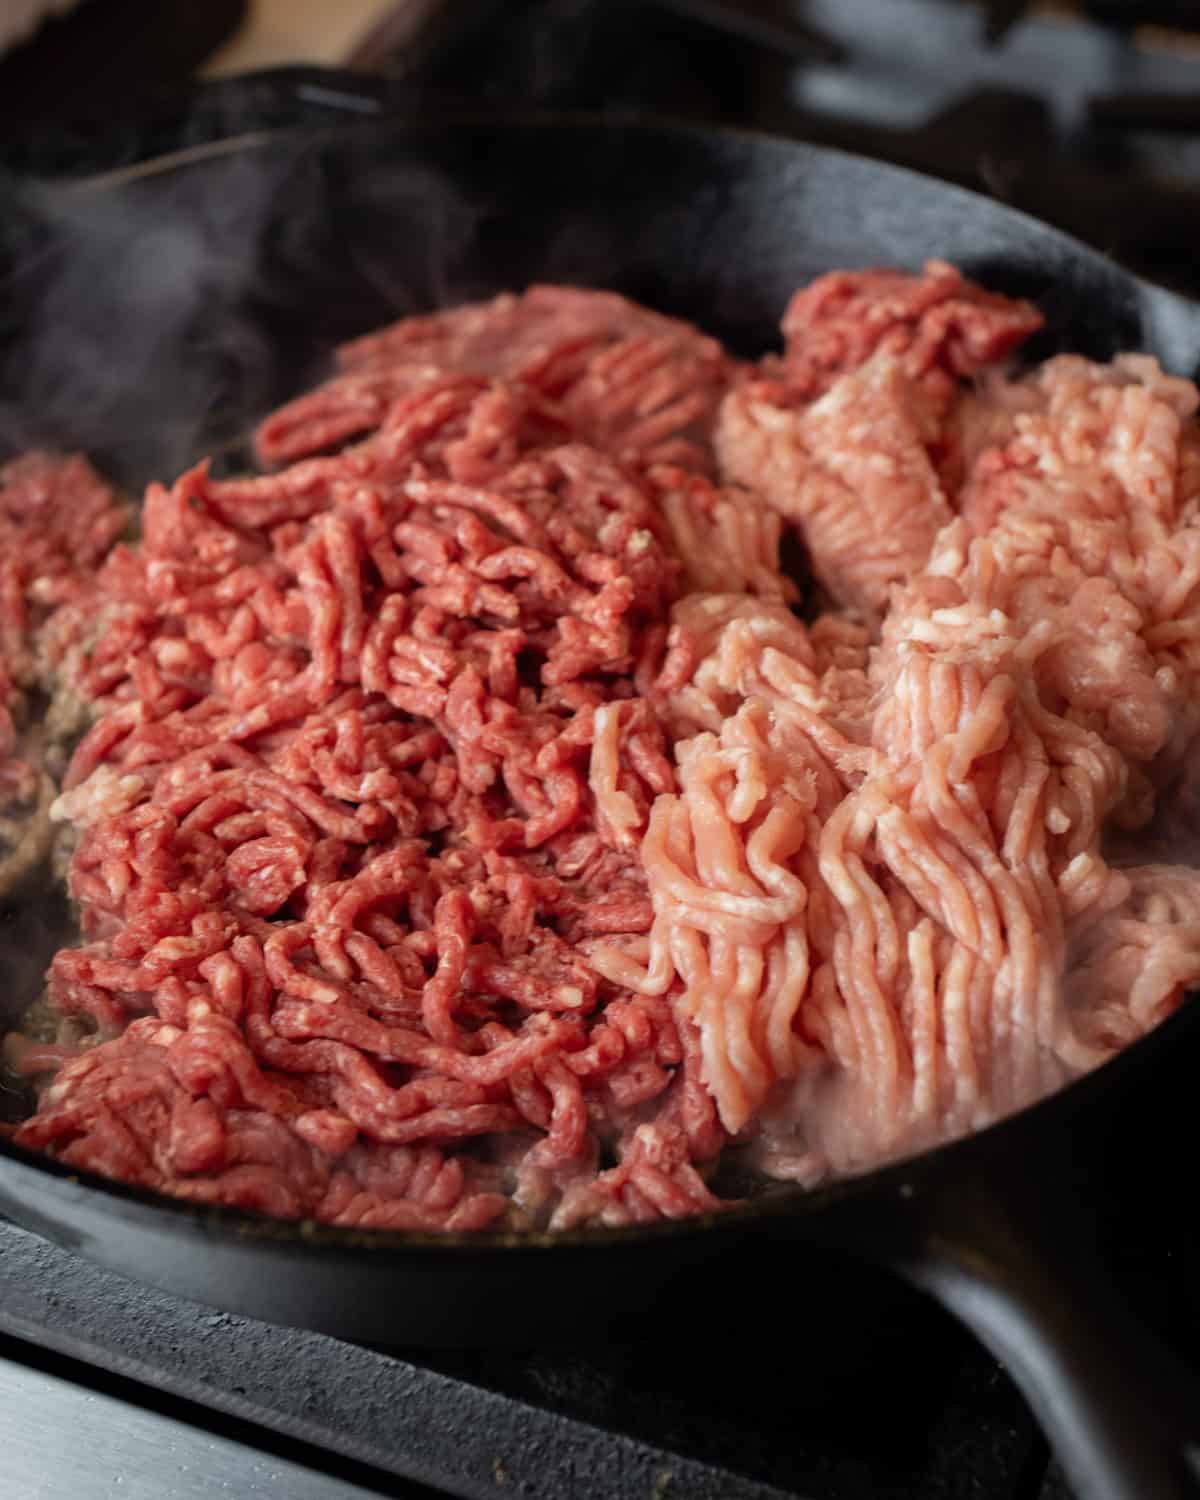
(58, 519)
(339, 858)
(643, 387)
(937, 321)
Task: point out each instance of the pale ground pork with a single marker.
(472, 832)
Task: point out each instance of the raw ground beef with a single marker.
(58, 520)
(469, 832)
(643, 387)
(853, 434)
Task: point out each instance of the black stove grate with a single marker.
(930, 1418)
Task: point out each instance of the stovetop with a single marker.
(135, 1385)
(1092, 121)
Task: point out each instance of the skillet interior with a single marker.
(150, 315)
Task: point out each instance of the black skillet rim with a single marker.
(897, 1180)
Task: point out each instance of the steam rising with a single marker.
(150, 318)
(154, 318)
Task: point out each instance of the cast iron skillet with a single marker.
(149, 314)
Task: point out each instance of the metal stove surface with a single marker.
(109, 1387)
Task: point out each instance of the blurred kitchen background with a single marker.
(1085, 112)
